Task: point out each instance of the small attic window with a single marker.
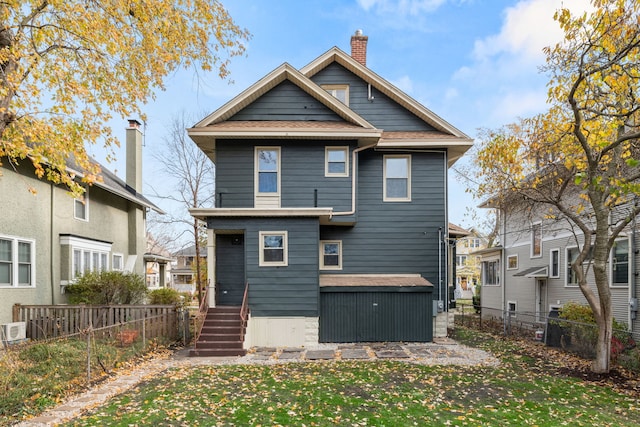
(341, 92)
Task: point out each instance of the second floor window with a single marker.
(536, 240)
(268, 167)
(81, 207)
(461, 260)
(397, 178)
(554, 260)
(336, 161)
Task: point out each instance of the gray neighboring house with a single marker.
(331, 203)
(49, 238)
(530, 273)
(183, 275)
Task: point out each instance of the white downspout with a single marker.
(354, 180)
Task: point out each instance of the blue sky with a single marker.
(472, 62)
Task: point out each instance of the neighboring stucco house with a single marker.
(530, 273)
(331, 203)
(47, 239)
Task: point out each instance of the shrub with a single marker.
(584, 331)
(165, 296)
(107, 287)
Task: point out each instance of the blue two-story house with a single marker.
(331, 203)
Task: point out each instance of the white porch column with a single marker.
(211, 265)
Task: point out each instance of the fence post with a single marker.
(88, 355)
(509, 322)
(144, 331)
(480, 319)
(16, 312)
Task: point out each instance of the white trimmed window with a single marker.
(273, 248)
(512, 306)
(620, 263)
(536, 240)
(340, 92)
(491, 272)
(330, 255)
(461, 260)
(512, 262)
(117, 262)
(572, 255)
(397, 178)
(267, 177)
(86, 254)
(554, 263)
(81, 206)
(336, 161)
(17, 262)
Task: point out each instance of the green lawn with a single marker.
(522, 391)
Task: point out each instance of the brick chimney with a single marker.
(359, 47)
(134, 156)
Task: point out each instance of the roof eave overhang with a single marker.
(456, 148)
(204, 213)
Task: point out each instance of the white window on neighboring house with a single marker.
(536, 239)
(512, 262)
(117, 262)
(397, 178)
(340, 92)
(336, 161)
(330, 255)
(81, 206)
(554, 263)
(86, 255)
(273, 249)
(491, 270)
(17, 262)
(620, 263)
(461, 260)
(512, 307)
(572, 255)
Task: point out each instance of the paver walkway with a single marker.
(440, 352)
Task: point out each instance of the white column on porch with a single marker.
(211, 265)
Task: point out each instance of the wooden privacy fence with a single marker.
(48, 321)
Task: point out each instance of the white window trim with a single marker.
(85, 246)
(533, 239)
(266, 200)
(384, 178)
(620, 286)
(84, 200)
(15, 262)
(345, 149)
(551, 251)
(515, 309)
(517, 262)
(567, 267)
(331, 267)
(119, 255)
(484, 272)
(332, 88)
(285, 244)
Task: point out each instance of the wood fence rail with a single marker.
(48, 321)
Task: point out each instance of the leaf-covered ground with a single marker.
(523, 390)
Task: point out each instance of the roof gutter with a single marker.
(354, 181)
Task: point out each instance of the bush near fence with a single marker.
(572, 336)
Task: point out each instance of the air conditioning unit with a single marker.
(15, 331)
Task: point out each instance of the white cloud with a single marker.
(404, 83)
(527, 28)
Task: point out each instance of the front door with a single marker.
(230, 277)
(541, 300)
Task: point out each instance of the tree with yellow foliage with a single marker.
(66, 66)
(580, 161)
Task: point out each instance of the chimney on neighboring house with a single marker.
(359, 47)
(134, 156)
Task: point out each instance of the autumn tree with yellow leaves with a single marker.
(67, 66)
(580, 161)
